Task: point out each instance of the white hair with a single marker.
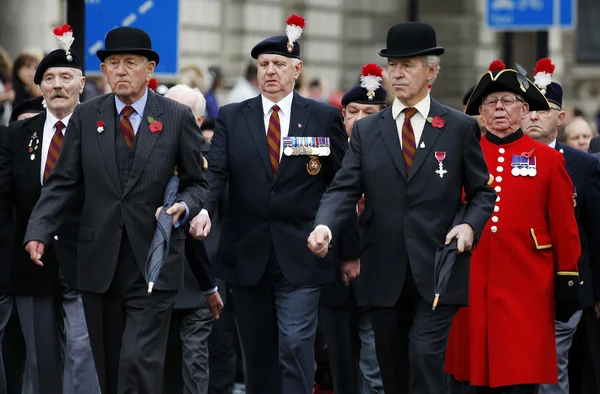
(199, 103)
(429, 61)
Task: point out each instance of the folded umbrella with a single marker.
(445, 257)
(159, 248)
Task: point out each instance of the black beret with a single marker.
(32, 105)
(358, 94)
(57, 58)
(554, 93)
(277, 45)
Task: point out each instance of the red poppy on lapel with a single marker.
(100, 126)
(155, 125)
(436, 121)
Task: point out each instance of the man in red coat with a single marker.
(524, 270)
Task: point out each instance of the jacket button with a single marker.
(407, 211)
(494, 229)
(56, 237)
(272, 193)
(570, 283)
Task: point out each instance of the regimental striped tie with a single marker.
(54, 149)
(126, 127)
(361, 205)
(274, 139)
(409, 146)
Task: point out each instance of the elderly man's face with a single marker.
(128, 75)
(188, 99)
(409, 78)
(355, 111)
(61, 87)
(542, 126)
(277, 75)
(578, 134)
(502, 112)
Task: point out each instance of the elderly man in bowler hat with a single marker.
(122, 148)
(412, 162)
(279, 151)
(29, 150)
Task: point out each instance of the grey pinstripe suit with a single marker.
(123, 188)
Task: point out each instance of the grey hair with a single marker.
(295, 61)
(200, 103)
(429, 61)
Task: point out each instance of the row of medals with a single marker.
(523, 171)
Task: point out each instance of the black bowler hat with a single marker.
(129, 40)
(369, 91)
(33, 105)
(287, 45)
(506, 80)
(409, 39)
(63, 57)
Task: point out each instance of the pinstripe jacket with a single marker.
(88, 157)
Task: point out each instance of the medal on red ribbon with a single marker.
(440, 156)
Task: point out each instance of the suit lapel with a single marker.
(428, 138)
(36, 126)
(256, 125)
(108, 115)
(389, 131)
(146, 140)
(561, 148)
(298, 121)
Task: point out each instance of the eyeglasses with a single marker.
(545, 112)
(507, 101)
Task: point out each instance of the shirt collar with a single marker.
(51, 120)
(552, 144)
(285, 104)
(139, 105)
(494, 139)
(422, 107)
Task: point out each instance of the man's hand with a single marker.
(176, 210)
(464, 235)
(350, 270)
(318, 242)
(200, 226)
(214, 303)
(36, 251)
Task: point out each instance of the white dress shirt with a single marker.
(552, 144)
(49, 130)
(417, 121)
(285, 110)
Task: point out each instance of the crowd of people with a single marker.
(155, 241)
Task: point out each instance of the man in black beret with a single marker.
(29, 151)
(347, 327)
(279, 151)
(122, 149)
(584, 171)
(412, 162)
(465, 100)
(28, 109)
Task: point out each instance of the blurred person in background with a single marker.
(316, 91)
(23, 72)
(245, 87)
(94, 86)
(28, 109)
(578, 134)
(212, 104)
(7, 94)
(194, 77)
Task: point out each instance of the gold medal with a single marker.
(313, 166)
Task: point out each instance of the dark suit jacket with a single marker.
(584, 170)
(7, 231)
(410, 215)
(88, 158)
(594, 145)
(266, 215)
(20, 187)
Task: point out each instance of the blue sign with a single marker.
(158, 18)
(513, 15)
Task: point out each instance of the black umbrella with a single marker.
(159, 248)
(445, 256)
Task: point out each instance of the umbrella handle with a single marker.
(150, 286)
(435, 302)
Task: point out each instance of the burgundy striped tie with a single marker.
(126, 127)
(273, 139)
(54, 150)
(409, 146)
(361, 205)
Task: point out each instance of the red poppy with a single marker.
(156, 126)
(437, 122)
(100, 124)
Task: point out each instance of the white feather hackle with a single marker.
(370, 82)
(65, 41)
(293, 32)
(542, 79)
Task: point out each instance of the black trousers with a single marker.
(128, 330)
(518, 389)
(584, 356)
(410, 342)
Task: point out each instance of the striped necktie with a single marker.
(54, 149)
(409, 146)
(274, 139)
(361, 205)
(126, 127)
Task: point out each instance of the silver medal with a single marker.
(523, 171)
(287, 151)
(532, 172)
(32, 157)
(515, 171)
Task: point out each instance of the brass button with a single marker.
(571, 283)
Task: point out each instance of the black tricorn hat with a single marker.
(409, 39)
(57, 58)
(506, 80)
(127, 40)
(33, 105)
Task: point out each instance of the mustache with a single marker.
(58, 94)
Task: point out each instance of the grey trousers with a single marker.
(5, 311)
(195, 328)
(564, 339)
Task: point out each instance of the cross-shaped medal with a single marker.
(441, 171)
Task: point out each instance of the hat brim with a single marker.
(505, 80)
(436, 51)
(256, 54)
(149, 53)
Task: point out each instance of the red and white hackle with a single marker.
(370, 79)
(543, 73)
(293, 30)
(64, 38)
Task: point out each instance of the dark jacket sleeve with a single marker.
(201, 267)
(591, 224)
